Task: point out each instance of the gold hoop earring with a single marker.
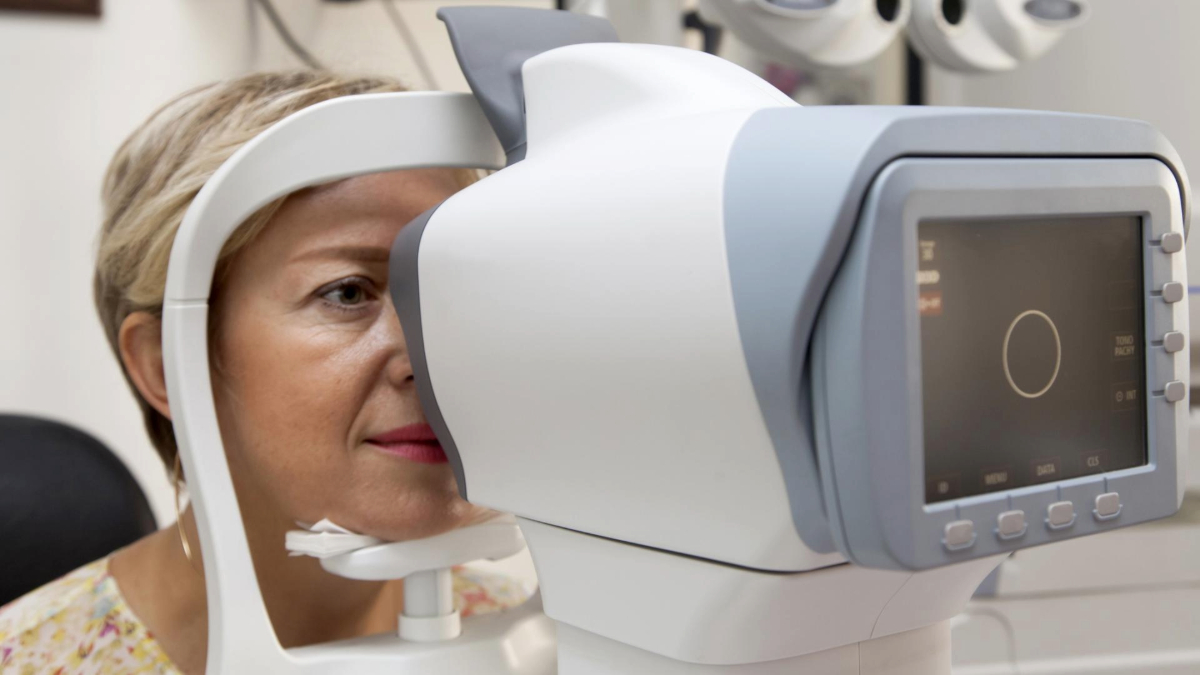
(175, 481)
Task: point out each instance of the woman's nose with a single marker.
(398, 368)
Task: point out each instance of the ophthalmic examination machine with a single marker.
(768, 389)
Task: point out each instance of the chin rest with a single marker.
(65, 500)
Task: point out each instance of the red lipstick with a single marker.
(416, 442)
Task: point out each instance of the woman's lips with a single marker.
(416, 442)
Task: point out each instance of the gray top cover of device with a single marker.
(794, 186)
(492, 43)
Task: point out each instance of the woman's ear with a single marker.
(140, 343)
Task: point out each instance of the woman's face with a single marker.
(315, 390)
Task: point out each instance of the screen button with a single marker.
(1092, 461)
(1172, 291)
(1060, 515)
(940, 488)
(1172, 242)
(1174, 342)
(959, 534)
(1124, 345)
(1108, 506)
(928, 250)
(1125, 396)
(996, 478)
(929, 303)
(1010, 524)
(1043, 470)
(1175, 391)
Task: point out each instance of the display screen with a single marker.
(1032, 344)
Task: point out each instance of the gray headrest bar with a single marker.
(492, 43)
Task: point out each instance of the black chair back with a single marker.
(65, 500)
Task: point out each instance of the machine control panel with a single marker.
(1025, 341)
(960, 534)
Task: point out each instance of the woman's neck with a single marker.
(306, 604)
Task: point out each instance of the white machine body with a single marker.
(663, 354)
(615, 328)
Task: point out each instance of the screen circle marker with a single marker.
(1057, 353)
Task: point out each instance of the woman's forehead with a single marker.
(391, 191)
(355, 212)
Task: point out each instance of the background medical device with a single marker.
(709, 346)
(808, 33)
(990, 35)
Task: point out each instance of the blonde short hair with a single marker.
(159, 169)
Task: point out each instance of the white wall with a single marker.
(1130, 59)
(70, 91)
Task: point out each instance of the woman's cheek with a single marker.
(406, 503)
(291, 424)
(305, 390)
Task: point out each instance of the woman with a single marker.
(313, 386)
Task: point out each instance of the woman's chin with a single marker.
(423, 521)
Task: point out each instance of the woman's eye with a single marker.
(347, 293)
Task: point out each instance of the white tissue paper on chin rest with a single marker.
(325, 540)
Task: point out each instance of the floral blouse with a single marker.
(81, 624)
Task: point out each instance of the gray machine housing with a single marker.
(809, 243)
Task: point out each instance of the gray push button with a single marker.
(960, 534)
(1108, 505)
(1175, 391)
(1060, 515)
(1172, 242)
(1172, 291)
(1010, 524)
(1174, 342)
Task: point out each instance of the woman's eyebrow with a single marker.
(368, 254)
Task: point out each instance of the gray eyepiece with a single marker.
(1054, 10)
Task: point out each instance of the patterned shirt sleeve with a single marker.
(477, 592)
(78, 624)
